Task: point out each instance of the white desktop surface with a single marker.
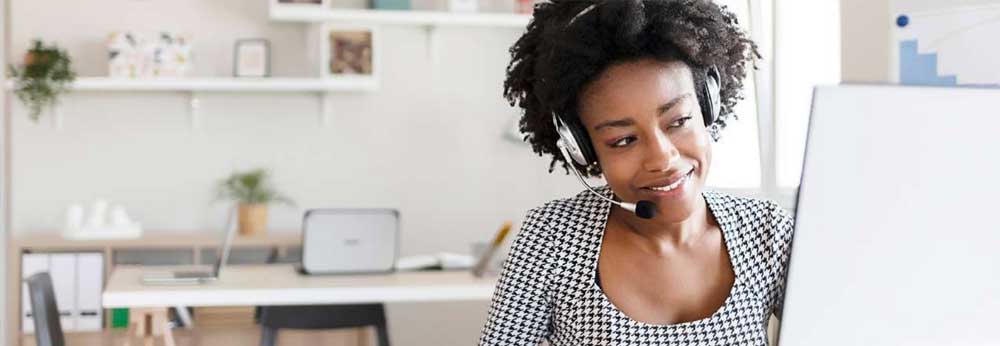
(260, 285)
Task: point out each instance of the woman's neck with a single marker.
(662, 236)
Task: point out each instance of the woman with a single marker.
(645, 86)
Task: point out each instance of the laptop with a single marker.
(350, 241)
(193, 277)
(895, 241)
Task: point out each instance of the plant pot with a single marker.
(252, 219)
(29, 59)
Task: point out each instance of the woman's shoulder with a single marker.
(550, 220)
(579, 207)
(583, 207)
(747, 208)
(756, 217)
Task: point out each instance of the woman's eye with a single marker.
(679, 122)
(624, 141)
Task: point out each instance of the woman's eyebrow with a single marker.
(629, 122)
(666, 106)
(614, 123)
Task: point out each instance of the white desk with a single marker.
(262, 285)
(282, 285)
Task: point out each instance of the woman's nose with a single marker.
(660, 153)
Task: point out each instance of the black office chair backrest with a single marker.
(45, 312)
(272, 318)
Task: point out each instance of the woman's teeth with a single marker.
(679, 182)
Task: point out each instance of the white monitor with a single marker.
(350, 241)
(895, 240)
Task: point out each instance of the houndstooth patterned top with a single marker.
(547, 288)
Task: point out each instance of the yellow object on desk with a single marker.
(488, 254)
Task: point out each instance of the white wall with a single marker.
(865, 40)
(429, 142)
(3, 173)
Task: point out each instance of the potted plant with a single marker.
(253, 191)
(45, 74)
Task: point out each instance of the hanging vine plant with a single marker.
(46, 73)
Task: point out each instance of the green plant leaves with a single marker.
(46, 73)
(251, 187)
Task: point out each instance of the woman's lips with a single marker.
(675, 188)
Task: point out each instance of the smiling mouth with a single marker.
(674, 185)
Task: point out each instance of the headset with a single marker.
(575, 146)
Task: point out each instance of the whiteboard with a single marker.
(895, 240)
(944, 45)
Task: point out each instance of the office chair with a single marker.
(272, 318)
(48, 330)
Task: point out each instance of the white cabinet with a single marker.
(77, 280)
(89, 284)
(62, 268)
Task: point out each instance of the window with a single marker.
(807, 54)
(761, 153)
(736, 157)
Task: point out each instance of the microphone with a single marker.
(644, 209)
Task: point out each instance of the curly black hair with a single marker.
(569, 43)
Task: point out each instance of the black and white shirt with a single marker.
(547, 289)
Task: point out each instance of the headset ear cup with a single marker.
(583, 143)
(711, 105)
(577, 144)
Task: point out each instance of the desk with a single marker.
(282, 285)
(194, 243)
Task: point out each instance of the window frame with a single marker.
(763, 25)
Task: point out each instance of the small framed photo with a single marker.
(252, 58)
(300, 3)
(307, 2)
(467, 6)
(349, 51)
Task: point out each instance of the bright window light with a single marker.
(807, 54)
(736, 157)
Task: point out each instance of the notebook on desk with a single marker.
(350, 241)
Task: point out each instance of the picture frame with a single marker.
(349, 51)
(463, 6)
(397, 5)
(138, 55)
(301, 2)
(252, 58)
(293, 5)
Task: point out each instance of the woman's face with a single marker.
(647, 130)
